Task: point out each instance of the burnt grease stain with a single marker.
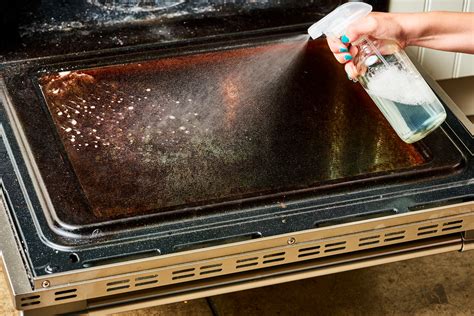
(151, 136)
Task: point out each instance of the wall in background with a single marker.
(441, 65)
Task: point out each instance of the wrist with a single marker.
(415, 28)
(408, 28)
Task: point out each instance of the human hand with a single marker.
(376, 25)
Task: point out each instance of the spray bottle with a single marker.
(388, 76)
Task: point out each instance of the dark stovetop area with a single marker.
(39, 28)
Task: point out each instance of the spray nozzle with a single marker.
(337, 21)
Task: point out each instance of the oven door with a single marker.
(177, 170)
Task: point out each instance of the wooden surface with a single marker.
(6, 305)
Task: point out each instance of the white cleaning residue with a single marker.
(400, 86)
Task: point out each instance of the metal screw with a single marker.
(45, 283)
(291, 241)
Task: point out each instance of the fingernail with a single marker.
(348, 75)
(347, 57)
(343, 50)
(345, 39)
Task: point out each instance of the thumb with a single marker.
(365, 26)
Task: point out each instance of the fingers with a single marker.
(349, 67)
(343, 57)
(344, 52)
(336, 46)
(340, 51)
(351, 71)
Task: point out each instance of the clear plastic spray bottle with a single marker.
(388, 76)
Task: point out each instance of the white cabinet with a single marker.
(441, 65)
(464, 65)
(407, 6)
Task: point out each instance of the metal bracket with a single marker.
(468, 240)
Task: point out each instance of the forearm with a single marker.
(447, 31)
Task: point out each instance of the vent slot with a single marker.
(247, 262)
(118, 288)
(246, 265)
(335, 244)
(146, 283)
(247, 259)
(211, 266)
(273, 260)
(395, 233)
(370, 238)
(118, 285)
(452, 225)
(451, 228)
(279, 254)
(30, 303)
(210, 271)
(183, 274)
(427, 227)
(274, 257)
(146, 280)
(428, 230)
(146, 277)
(332, 247)
(118, 282)
(368, 243)
(183, 271)
(65, 294)
(309, 249)
(65, 297)
(393, 238)
(307, 254)
(30, 300)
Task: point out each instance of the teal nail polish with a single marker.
(343, 50)
(345, 39)
(347, 57)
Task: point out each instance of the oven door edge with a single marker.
(305, 254)
(279, 275)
